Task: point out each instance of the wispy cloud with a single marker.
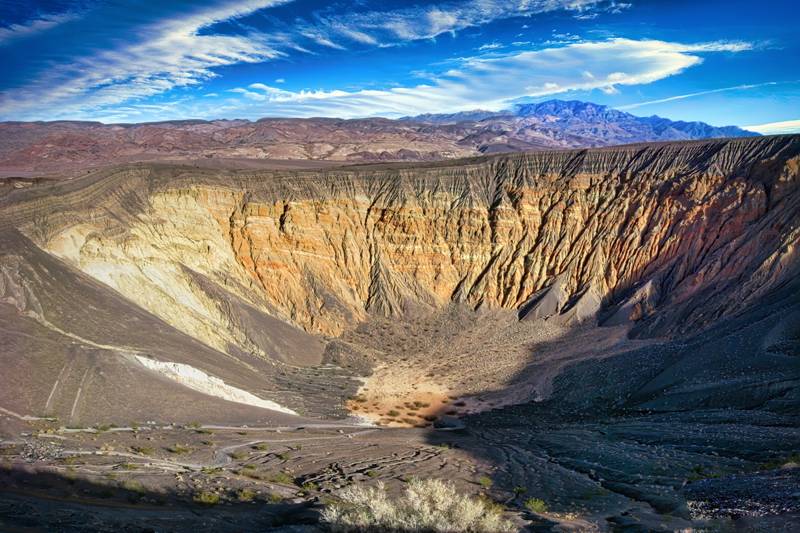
(392, 27)
(181, 48)
(491, 83)
(698, 93)
(38, 25)
(776, 128)
(159, 56)
(490, 46)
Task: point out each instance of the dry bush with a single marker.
(426, 505)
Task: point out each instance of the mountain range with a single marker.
(42, 147)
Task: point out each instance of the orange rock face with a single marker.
(501, 232)
(694, 230)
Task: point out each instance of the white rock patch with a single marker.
(198, 380)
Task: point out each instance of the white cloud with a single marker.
(491, 83)
(490, 46)
(698, 93)
(32, 27)
(159, 57)
(280, 80)
(173, 53)
(387, 28)
(776, 128)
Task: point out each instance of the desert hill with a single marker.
(37, 147)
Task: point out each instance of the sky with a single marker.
(723, 62)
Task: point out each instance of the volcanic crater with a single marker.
(598, 328)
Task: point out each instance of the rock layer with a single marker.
(670, 236)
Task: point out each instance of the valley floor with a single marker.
(624, 436)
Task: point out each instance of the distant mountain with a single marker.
(572, 114)
(36, 147)
(599, 125)
(455, 118)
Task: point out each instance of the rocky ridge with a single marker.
(41, 147)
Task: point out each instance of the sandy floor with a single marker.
(492, 360)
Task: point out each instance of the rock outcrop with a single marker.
(669, 236)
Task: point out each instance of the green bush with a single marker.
(282, 478)
(535, 505)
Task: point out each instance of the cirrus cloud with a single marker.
(492, 83)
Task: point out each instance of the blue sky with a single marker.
(722, 62)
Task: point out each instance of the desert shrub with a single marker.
(427, 505)
(246, 495)
(392, 412)
(535, 505)
(179, 449)
(485, 481)
(143, 450)
(206, 498)
(282, 478)
(133, 486)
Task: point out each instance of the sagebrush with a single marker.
(426, 505)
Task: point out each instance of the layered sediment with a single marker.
(668, 236)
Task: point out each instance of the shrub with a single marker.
(535, 505)
(143, 450)
(133, 486)
(206, 498)
(237, 456)
(485, 482)
(179, 449)
(428, 505)
(392, 412)
(282, 478)
(246, 495)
